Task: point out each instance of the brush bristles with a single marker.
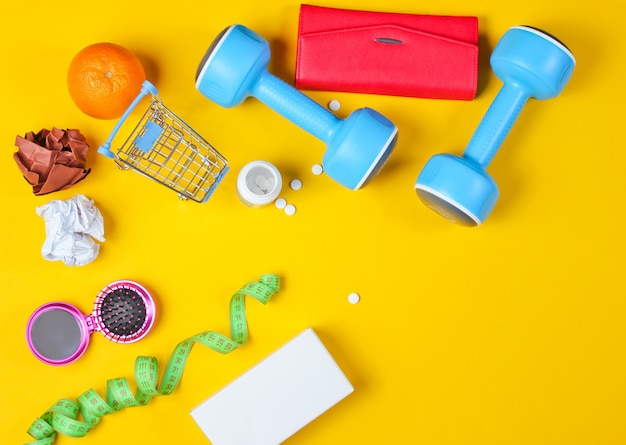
(123, 312)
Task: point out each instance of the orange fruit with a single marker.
(103, 79)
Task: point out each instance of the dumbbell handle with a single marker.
(496, 124)
(295, 106)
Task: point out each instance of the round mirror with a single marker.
(55, 334)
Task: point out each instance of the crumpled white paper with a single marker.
(71, 227)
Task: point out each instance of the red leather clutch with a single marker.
(387, 53)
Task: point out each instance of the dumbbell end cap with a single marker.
(457, 189)
(360, 149)
(446, 207)
(231, 65)
(533, 60)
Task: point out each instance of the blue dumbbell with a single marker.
(235, 67)
(531, 63)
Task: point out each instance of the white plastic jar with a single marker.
(258, 184)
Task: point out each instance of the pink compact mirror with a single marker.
(58, 333)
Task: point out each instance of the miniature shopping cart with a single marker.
(164, 148)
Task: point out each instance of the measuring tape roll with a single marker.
(63, 416)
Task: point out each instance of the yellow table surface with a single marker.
(509, 333)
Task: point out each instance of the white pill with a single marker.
(317, 169)
(265, 185)
(258, 191)
(258, 179)
(290, 209)
(334, 105)
(354, 298)
(295, 184)
(280, 203)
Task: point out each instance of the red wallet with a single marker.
(387, 53)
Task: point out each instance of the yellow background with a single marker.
(510, 333)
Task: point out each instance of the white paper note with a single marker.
(276, 398)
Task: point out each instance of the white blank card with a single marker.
(277, 397)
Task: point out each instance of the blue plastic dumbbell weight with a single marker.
(235, 67)
(531, 63)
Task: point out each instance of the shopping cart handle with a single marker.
(147, 87)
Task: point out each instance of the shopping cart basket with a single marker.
(164, 148)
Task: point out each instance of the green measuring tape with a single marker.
(63, 416)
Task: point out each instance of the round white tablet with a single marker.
(317, 169)
(290, 209)
(354, 298)
(280, 203)
(334, 105)
(295, 184)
